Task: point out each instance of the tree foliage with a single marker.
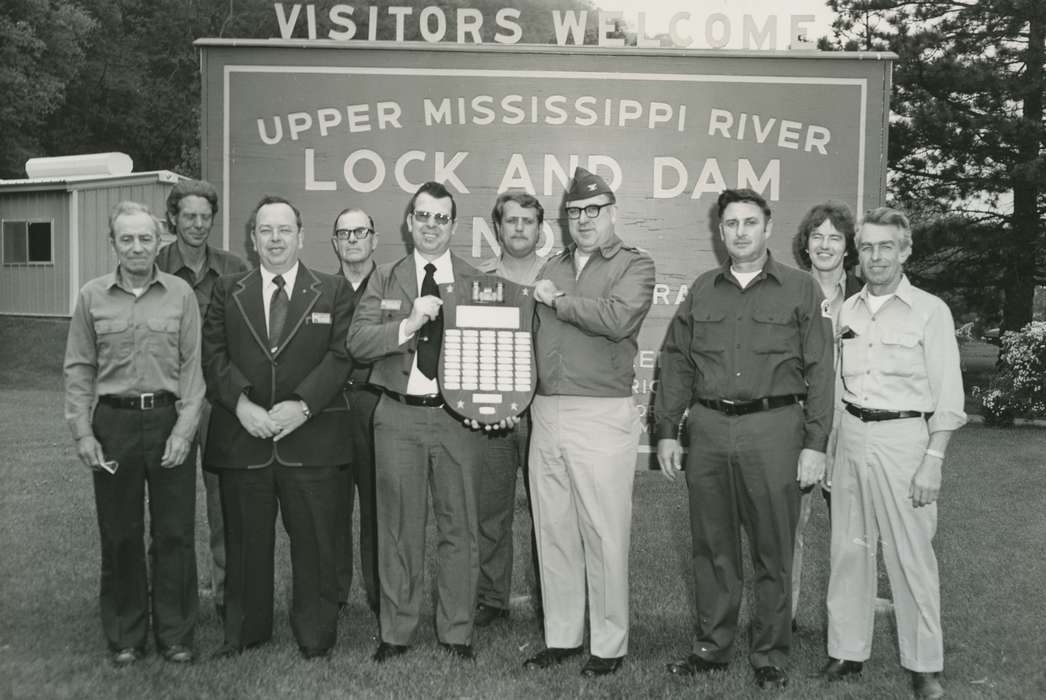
(42, 44)
(967, 133)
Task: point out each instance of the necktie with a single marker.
(277, 311)
(431, 336)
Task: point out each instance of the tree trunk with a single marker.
(1027, 238)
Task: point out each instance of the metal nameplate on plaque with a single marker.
(486, 366)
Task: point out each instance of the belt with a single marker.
(872, 415)
(360, 385)
(143, 402)
(435, 401)
(742, 408)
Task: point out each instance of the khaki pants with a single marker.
(582, 467)
(874, 468)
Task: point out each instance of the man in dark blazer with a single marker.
(275, 364)
(419, 446)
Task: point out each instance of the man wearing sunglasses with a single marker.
(354, 241)
(418, 445)
(592, 299)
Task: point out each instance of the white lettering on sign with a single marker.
(570, 27)
(365, 170)
(552, 110)
(671, 178)
(358, 118)
(754, 127)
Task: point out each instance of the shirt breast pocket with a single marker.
(163, 334)
(902, 353)
(774, 331)
(114, 337)
(708, 331)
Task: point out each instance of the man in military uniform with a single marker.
(133, 391)
(749, 352)
(592, 300)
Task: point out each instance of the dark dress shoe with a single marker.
(462, 651)
(551, 656)
(598, 666)
(927, 685)
(314, 654)
(770, 677)
(125, 657)
(694, 664)
(388, 651)
(838, 669)
(178, 654)
(486, 614)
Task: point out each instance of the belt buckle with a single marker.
(729, 407)
(146, 402)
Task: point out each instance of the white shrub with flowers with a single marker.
(1019, 387)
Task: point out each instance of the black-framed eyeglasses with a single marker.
(592, 211)
(361, 233)
(423, 217)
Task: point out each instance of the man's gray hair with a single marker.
(128, 207)
(888, 216)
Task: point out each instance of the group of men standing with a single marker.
(320, 387)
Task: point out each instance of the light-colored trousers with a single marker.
(582, 467)
(874, 466)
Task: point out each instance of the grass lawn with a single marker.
(990, 543)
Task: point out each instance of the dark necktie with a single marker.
(277, 311)
(431, 336)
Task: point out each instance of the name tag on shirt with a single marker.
(391, 304)
(320, 317)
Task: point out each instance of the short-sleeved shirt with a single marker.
(771, 338)
(121, 344)
(903, 357)
(218, 263)
(496, 266)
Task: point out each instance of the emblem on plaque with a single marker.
(486, 367)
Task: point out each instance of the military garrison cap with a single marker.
(585, 185)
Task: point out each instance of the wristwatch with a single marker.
(305, 409)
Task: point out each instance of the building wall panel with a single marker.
(38, 289)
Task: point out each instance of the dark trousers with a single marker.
(308, 503)
(358, 478)
(741, 472)
(506, 452)
(419, 450)
(136, 439)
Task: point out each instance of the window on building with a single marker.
(28, 243)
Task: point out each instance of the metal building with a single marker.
(55, 234)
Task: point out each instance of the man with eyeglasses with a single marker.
(354, 240)
(748, 357)
(191, 208)
(517, 219)
(275, 362)
(418, 445)
(592, 299)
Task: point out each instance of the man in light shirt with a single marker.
(903, 397)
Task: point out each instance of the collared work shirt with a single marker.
(903, 357)
(121, 345)
(771, 338)
(496, 266)
(360, 372)
(218, 263)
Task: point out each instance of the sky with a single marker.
(657, 14)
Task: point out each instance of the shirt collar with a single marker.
(904, 292)
(771, 268)
(113, 279)
(289, 277)
(178, 262)
(443, 264)
(607, 250)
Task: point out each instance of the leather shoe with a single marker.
(838, 669)
(314, 654)
(694, 664)
(125, 657)
(598, 666)
(927, 685)
(768, 677)
(462, 651)
(551, 656)
(388, 651)
(178, 654)
(486, 614)
(227, 651)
